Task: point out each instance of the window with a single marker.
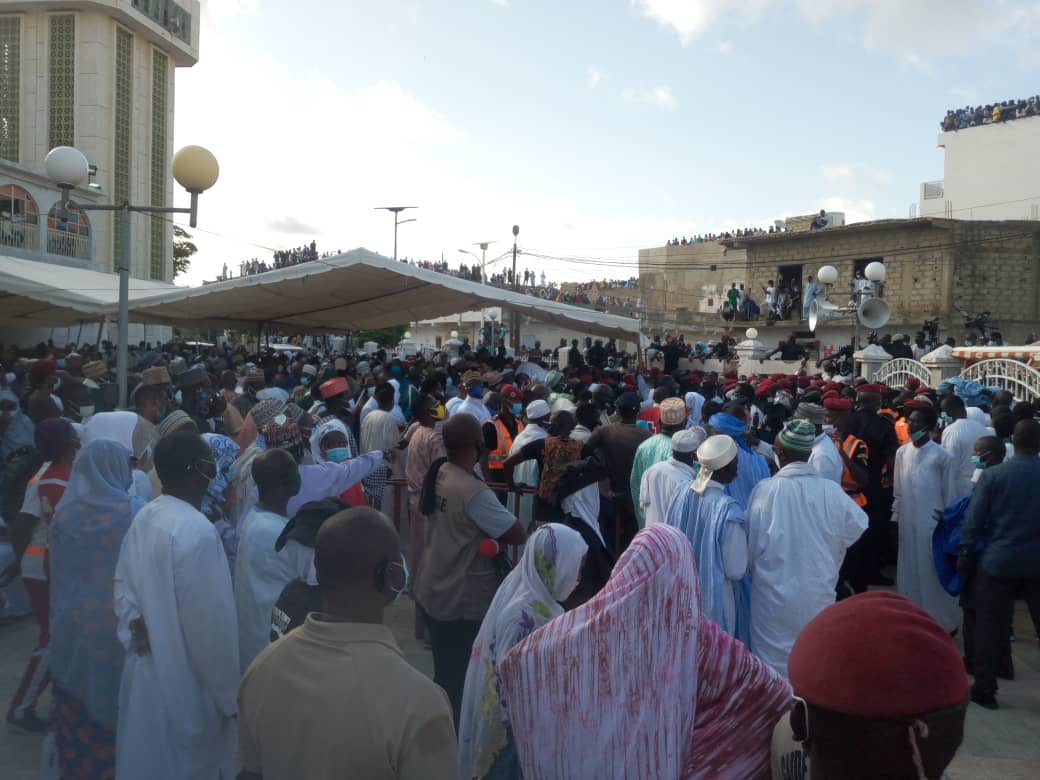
(10, 88)
(123, 117)
(861, 264)
(61, 85)
(19, 218)
(68, 232)
(160, 67)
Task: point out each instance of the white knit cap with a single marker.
(715, 453)
(688, 440)
(536, 410)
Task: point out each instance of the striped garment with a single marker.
(638, 683)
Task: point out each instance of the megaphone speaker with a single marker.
(873, 313)
(822, 310)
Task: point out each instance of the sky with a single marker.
(598, 126)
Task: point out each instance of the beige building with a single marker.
(935, 268)
(97, 75)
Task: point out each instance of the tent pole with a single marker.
(80, 334)
(259, 335)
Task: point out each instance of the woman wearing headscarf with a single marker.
(527, 599)
(86, 658)
(215, 502)
(638, 683)
(137, 435)
(332, 442)
(694, 403)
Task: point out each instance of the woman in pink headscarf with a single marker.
(638, 683)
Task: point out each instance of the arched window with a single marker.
(68, 232)
(19, 218)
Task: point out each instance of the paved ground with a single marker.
(999, 745)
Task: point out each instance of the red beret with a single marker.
(804, 381)
(763, 390)
(512, 392)
(918, 403)
(40, 370)
(585, 379)
(871, 389)
(628, 388)
(335, 386)
(837, 404)
(913, 383)
(876, 655)
(629, 379)
(730, 375)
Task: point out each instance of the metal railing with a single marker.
(22, 235)
(60, 242)
(1021, 380)
(898, 370)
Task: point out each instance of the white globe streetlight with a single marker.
(66, 166)
(875, 271)
(828, 274)
(751, 333)
(195, 168)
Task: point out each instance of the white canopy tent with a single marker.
(357, 290)
(46, 295)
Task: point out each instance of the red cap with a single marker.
(837, 403)
(335, 386)
(913, 383)
(585, 379)
(876, 655)
(488, 548)
(804, 381)
(871, 389)
(511, 392)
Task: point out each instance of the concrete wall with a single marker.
(990, 172)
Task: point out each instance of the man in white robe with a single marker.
(379, 432)
(474, 401)
(662, 480)
(260, 572)
(526, 473)
(926, 481)
(824, 457)
(716, 526)
(176, 612)
(799, 527)
(958, 439)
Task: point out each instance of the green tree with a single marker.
(183, 249)
(384, 337)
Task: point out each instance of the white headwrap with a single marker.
(319, 433)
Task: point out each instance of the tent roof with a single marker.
(37, 294)
(357, 290)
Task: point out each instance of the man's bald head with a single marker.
(272, 471)
(460, 433)
(351, 550)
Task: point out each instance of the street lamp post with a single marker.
(516, 317)
(483, 274)
(194, 168)
(397, 220)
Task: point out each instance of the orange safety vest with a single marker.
(497, 457)
(903, 430)
(848, 484)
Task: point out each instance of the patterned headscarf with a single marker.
(642, 679)
(527, 599)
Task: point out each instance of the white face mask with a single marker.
(827, 428)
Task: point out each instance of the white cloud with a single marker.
(836, 173)
(725, 47)
(593, 78)
(660, 96)
(501, 3)
(689, 18)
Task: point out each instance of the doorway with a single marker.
(790, 280)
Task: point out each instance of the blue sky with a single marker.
(598, 126)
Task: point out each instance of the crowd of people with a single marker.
(722, 236)
(282, 258)
(693, 587)
(991, 113)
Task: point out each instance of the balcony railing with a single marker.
(933, 189)
(167, 15)
(21, 235)
(59, 242)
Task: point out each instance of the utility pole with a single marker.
(516, 317)
(397, 220)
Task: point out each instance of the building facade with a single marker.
(989, 172)
(934, 268)
(97, 75)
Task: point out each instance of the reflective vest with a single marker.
(903, 430)
(498, 456)
(848, 484)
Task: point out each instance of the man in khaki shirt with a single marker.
(335, 698)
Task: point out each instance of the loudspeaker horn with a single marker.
(873, 313)
(822, 310)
